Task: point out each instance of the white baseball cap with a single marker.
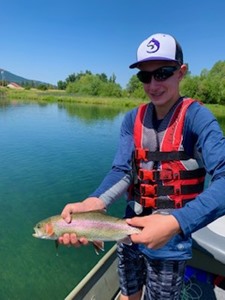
(159, 46)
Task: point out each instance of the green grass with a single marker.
(216, 109)
(62, 96)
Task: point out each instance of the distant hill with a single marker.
(8, 77)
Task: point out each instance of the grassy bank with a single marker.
(216, 109)
(62, 96)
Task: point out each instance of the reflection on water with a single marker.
(49, 155)
(91, 113)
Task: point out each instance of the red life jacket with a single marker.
(166, 177)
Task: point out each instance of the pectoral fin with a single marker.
(49, 229)
(98, 245)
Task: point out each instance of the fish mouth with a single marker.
(37, 233)
(40, 235)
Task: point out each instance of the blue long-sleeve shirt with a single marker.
(201, 131)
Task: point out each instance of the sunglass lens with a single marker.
(164, 73)
(160, 74)
(144, 76)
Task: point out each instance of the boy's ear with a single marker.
(182, 71)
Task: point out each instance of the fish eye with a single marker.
(38, 226)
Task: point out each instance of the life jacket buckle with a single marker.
(148, 202)
(154, 175)
(166, 175)
(148, 190)
(141, 154)
(146, 174)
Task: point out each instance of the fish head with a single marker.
(44, 230)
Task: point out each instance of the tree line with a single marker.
(92, 85)
(209, 86)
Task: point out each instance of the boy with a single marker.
(166, 147)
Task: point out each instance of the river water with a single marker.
(50, 155)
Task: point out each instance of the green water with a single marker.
(49, 155)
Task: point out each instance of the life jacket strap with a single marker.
(156, 175)
(158, 203)
(162, 190)
(146, 155)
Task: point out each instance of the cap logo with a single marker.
(153, 46)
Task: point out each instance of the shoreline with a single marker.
(60, 96)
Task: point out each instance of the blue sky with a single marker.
(48, 40)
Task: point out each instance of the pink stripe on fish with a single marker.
(91, 224)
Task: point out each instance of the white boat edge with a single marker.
(101, 282)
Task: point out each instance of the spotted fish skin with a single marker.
(93, 225)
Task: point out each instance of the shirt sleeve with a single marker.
(117, 181)
(203, 132)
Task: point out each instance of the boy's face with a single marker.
(163, 93)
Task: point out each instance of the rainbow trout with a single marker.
(93, 225)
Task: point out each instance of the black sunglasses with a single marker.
(160, 74)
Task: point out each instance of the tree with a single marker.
(42, 87)
(189, 86)
(209, 86)
(135, 88)
(112, 78)
(111, 89)
(86, 85)
(61, 85)
(103, 77)
(94, 85)
(71, 78)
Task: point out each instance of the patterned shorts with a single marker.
(163, 279)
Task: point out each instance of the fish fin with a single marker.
(126, 241)
(49, 229)
(57, 247)
(98, 245)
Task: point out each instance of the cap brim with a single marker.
(135, 65)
